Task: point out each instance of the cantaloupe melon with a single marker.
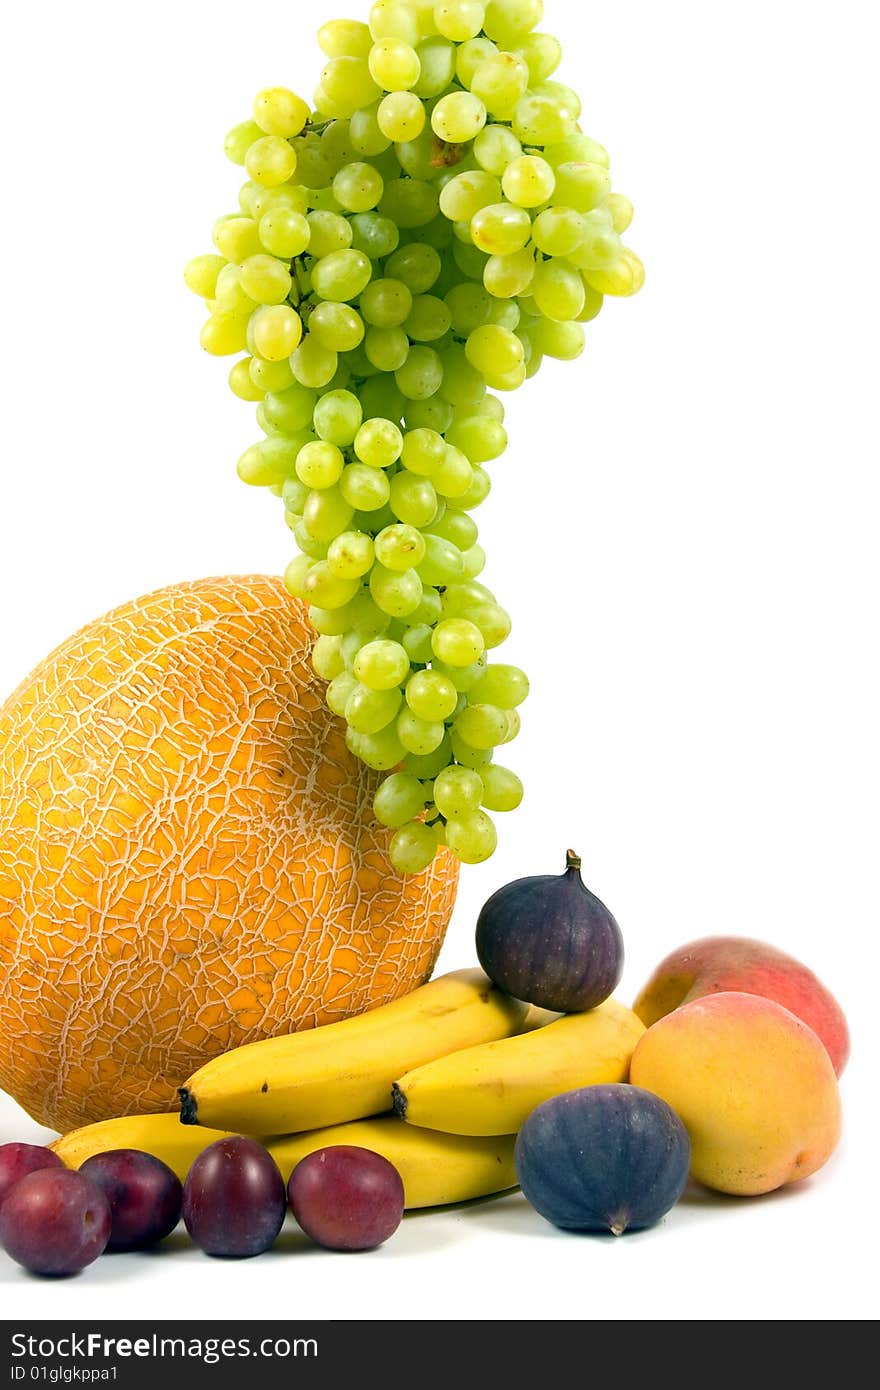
(188, 859)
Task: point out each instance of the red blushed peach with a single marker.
(753, 1085)
(737, 963)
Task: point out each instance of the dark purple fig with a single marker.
(550, 941)
(143, 1193)
(604, 1158)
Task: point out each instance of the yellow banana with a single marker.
(344, 1070)
(161, 1135)
(436, 1168)
(490, 1089)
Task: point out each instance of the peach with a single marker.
(749, 967)
(753, 1085)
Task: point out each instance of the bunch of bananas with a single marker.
(459, 1064)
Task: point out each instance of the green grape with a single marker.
(620, 210)
(426, 766)
(493, 622)
(466, 193)
(421, 374)
(529, 181)
(441, 562)
(514, 724)
(378, 443)
(382, 665)
(493, 350)
(327, 658)
(345, 38)
(564, 341)
(410, 202)
(472, 838)
(386, 303)
(316, 550)
(593, 302)
(502, 789)
(330, 622)
(625, 277)
(293, 492)
(470, 306)
(542, 54)
(459, 597)
(415, 266)
(236, 238)
(319, 465)
(380, 397)
(504, 686)
(558, 231)
(399, 799)
(558, 291)
(500, 229)
(541, 119)
(365, 133)
(201, 275)
(401, 116)
(400, 548)
(495, 148)
(480, 439)
(457, 642)
(350, 554)
(463, 386)
(469, 55)
(480, 487)
(459, 20)
(482, 726)
(507, 276)
(358, 187)
(509, 20)
(241, 382)
(338, 417)
(475, 758)
(470, 260)
(386, 348)
(366, 618)
(499, 82)
(458, 791)
(258, 470)
(454, 477)
(313, 365)
(456, 527)
(431, 696)
(278, 111)
(413, 499)
(346, 84)
(239, 140)
(288, 197)
(290, 410)
(277, 330)
(342, 275)
(413, 848)
(270, 160)
(582, 186)
(373, 234)
(419, 736)
(417, 644)
(284, 233)
(458, 117)
(337, 327)
(381, 751)
(393, 19)
(396, 594)
(474, 561)
(224, 334)
(370, 711)
(394, 65)
(339, 692)
(365, 489)
(327, 513)
(437, 66)
(431, 414)
(328, 232)
(324, 588)
(428, 319)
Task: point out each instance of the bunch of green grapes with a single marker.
(436, 224)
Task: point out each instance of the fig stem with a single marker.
(572, 860)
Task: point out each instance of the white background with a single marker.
(684, 527)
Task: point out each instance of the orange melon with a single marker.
(188, 859)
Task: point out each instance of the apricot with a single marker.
(753, 1085)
